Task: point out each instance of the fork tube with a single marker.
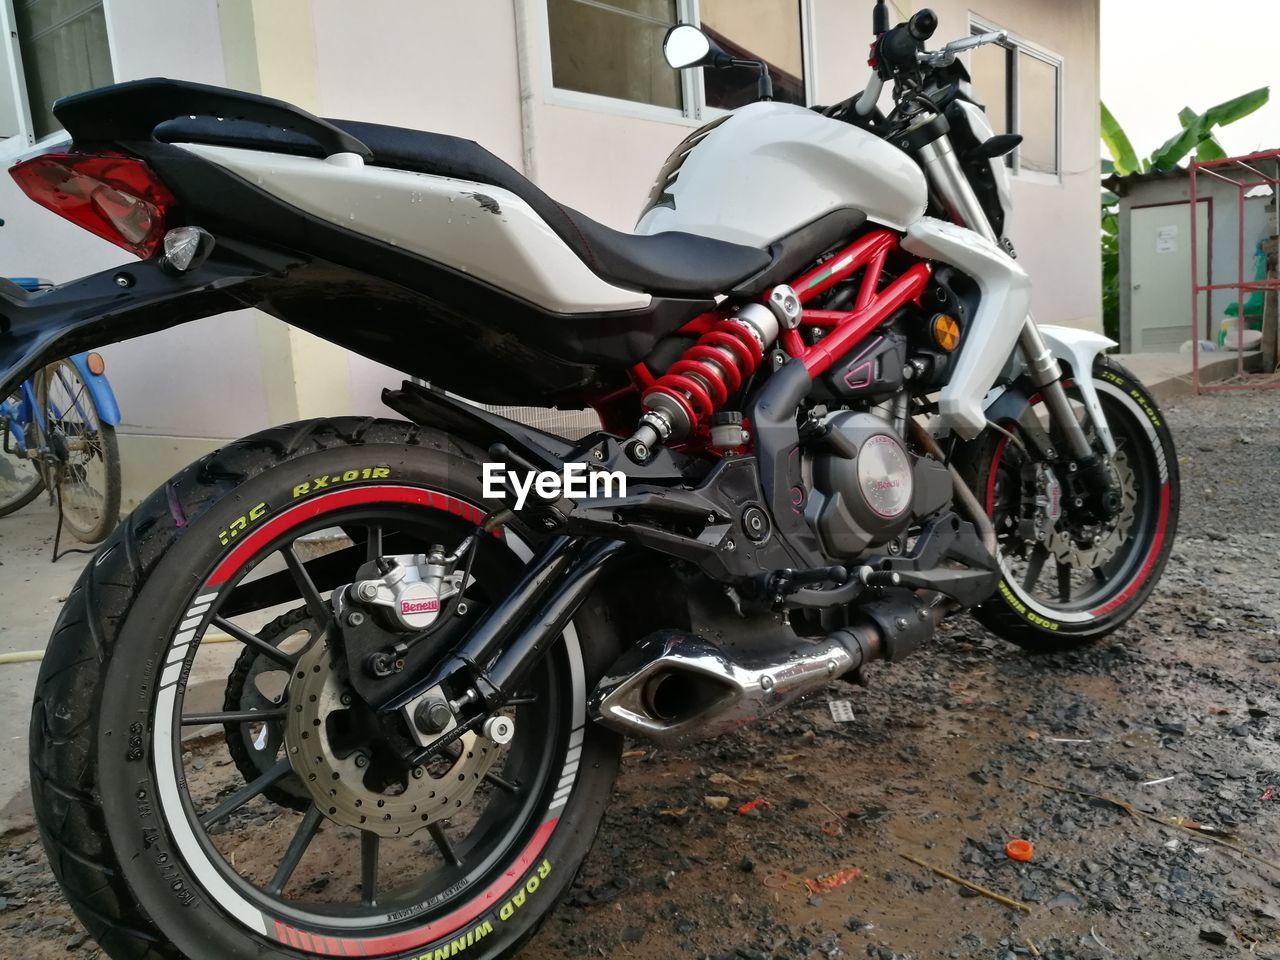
(955, 191)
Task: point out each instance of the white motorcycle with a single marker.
(828, 422)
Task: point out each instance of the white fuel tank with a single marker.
(768, 169)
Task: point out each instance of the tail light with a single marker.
(116, 197)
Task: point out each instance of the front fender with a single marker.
(1078, 349)
(100, 392)
(1075, 350)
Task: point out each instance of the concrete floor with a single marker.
(32, 591)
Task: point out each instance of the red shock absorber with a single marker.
(702, 380)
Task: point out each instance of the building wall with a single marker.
(461, 68)
(1055, 225)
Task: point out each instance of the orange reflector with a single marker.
(946, 332)
(95, 364)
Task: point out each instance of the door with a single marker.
(1160, 275)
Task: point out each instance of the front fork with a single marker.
(1089, 475)
(1096, 483)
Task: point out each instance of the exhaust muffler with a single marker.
(675, 687)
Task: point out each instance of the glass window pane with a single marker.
(614, 49)
(989, 70)
(767, 30)
(1038, 114)
(64, 50)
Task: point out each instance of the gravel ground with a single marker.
(948, 756)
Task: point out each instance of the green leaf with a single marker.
(1108, 166)
(1196, 129)
(1177, 147)
(1210, 149)
(1117, 144)
(1109, 199)
(1237, 108)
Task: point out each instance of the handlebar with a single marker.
(899, 54)
(947, 55)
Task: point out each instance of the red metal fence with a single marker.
(1246, 174)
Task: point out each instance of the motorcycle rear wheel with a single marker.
(137, 843)
(1078, 585)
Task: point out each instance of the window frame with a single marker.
(1016, 45)
(693, 89)
(24, 140)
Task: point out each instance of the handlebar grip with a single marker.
(923, 24)
(897, 48)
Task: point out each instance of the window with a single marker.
(61, 48)
(1021, 86)
(765, 30)
(613, 48)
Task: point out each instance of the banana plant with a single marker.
(1197, 134)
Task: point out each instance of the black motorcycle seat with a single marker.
(663, 264)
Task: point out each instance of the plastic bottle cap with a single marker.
(1019, 850)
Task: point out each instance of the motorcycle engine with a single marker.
(865, 487)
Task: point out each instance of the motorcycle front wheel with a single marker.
(1065, 583)
(206, 781)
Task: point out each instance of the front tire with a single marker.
(112, 780)
(1079, 585)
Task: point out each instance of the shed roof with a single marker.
(1120, 186)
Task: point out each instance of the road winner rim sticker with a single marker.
(341, 935)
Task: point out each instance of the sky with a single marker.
(1161, 55)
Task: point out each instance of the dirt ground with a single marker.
(948, 756)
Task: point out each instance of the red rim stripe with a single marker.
(337, 500)
(995, 472)
(1140, 577)
(1144, 571)
(444, 927)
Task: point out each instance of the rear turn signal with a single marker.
(113, 196)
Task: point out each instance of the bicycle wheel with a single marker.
(89, 478)
(20, 480)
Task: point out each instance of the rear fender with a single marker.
(476, 425)
(125, 302)
(100, 392)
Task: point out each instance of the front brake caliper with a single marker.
(1093, 491)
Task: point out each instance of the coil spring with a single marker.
(709, 371)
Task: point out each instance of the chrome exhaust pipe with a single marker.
(675, 687)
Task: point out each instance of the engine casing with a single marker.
(865, 487)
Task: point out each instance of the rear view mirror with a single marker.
(687, 46)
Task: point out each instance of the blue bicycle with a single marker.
(58, 435)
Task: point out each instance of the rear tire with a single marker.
(101, 802)
(1021, 613)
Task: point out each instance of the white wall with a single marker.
(1055, 226)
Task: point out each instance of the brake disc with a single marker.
(1094, 545)
(259, 683)
(359, 785)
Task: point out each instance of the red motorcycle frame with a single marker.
(720, 339)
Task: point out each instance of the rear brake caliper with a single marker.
(412, 588)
